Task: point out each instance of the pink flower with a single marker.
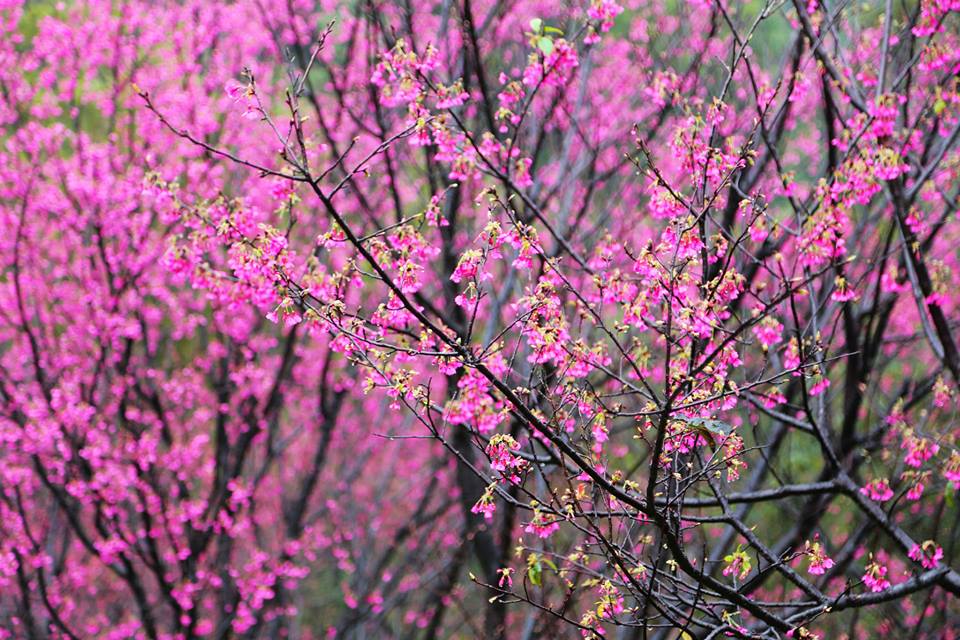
(234, 89)
(500, 449)
(878, 490)
(915, 492)
(791, 357)
(819, 562)
(542, 530)
(523, 178)
(952, 469)
(487, 509)
(919, 450)
(738, 563)
(842, 292)
(468, 266)
(942, 393)
(820, 383)
(769, 332)
(541, 525)
(452, 96)
(875, 577)
(555, 66)
(110, 549)
(928, 554)
(485, 505)
(820, 565)
(604, 12)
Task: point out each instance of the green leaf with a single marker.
(535, 573)
(535, 24)
(545, 44)
(553, 30)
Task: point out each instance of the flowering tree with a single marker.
(475, 318)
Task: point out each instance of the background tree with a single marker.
(479, 318)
